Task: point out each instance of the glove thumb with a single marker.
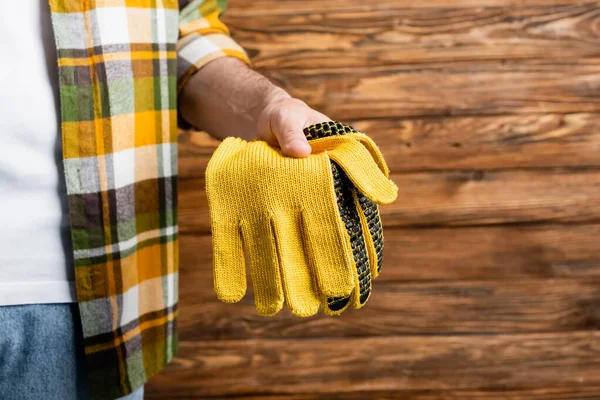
(364, 165)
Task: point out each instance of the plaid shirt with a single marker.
(121, 63)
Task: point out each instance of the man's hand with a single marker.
(226, 98)
(281, 124)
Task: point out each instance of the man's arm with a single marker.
(220, 94)
(226, 98)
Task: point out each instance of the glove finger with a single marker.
(320, 136)
(229, 272)
(351, 219)
(264, 267)
(328, 136)
(336, 305)
(331, 129)
(298, 285)
(374, 151)
(328, 249)
(364, 173)
(372, 229)
(358, 155)
(354, 233)
(228, 262)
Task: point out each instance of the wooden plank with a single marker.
(496, 142)
(453, 88)
(278, 37)
(523, 260)
(261, 8)
(507, 306)
(390, 363)
(480, 253)
(550, 393)
(194, 150)
(443, 143)
(499, 197)
(459, 198)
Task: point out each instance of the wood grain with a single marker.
(526, 292)
(390, 363)
(548, 393)
(445, 143)
(499, 197)
(479, 253)
(404, 308)
(373, 35)
(256, 8)
(447, 89)
(487, 113)
(459, 198)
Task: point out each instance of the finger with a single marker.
(228, 262)
(314, 118)
(264, 266)
(298, 286)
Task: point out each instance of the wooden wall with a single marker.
(488, 112)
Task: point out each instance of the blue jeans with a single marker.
(42, 355)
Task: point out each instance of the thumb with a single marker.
(291, 139)
(287, 119)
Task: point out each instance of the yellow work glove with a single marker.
(360, 217)
(284, 211)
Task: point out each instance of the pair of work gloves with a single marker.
(310, 227)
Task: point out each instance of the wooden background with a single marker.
(488, 113)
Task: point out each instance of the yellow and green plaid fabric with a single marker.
(121, 63)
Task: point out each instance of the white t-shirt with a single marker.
(35, 260)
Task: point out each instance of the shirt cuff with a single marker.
(195, 51)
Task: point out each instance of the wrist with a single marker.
(263, 112)
(274, 95)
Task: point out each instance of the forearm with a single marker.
(226, 98)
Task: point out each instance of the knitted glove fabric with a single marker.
(360, 217)
(284, 212)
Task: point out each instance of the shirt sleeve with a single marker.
(202, 37)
